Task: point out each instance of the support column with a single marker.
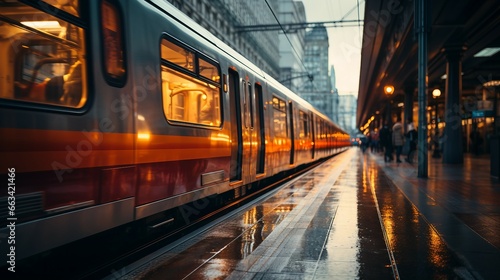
(453, 137)
(422, 23)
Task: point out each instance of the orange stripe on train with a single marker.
(37, 150)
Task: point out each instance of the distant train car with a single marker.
(115, 111)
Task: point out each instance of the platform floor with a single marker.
(355, 217)
(461, 201)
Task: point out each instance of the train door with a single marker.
(259, 130)
(249, 135)
(313, 136)
(236, 127)
(292, 133)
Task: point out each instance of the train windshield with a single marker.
(43, 55)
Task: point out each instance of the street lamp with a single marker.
(388, 91)
(437, 153)
(436, 93)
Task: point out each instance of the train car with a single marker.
(117, 111)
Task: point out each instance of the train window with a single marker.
(71, 7)
(279, 104)
(177, 55)
(279, 117)
(113, 48)
(303, 125)
(189, 96)
(208, 70)
(320, 129)
(276, 103)
(44, 56)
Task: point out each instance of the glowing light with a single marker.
(143, 136)
(220, 137)
(493, 83)
(389, 90)
(486, 52)
(436, 92)
(50, 24)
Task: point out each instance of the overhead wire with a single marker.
(356, 7)
(352, 9)
(289, 41)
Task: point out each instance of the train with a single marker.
(115, 111)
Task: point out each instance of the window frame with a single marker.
(304, 130)
(82, 21)
(121, 81)
(195, 75)
(280, 108)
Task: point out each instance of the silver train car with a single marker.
(116, 111)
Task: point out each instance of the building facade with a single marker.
(347, 112)
(335, 92)
(291, 46)
(319, 91)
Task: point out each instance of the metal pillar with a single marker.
(435, 138)
(453, 137)
(422, 23)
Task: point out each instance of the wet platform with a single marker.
(355, 217)
(462, 203)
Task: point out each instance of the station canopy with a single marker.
(389, 54)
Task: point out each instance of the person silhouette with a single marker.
(398, 138)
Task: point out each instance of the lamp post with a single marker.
(388, 91)
(385, 133)
(437, 153)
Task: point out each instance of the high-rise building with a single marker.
(319, 91)
(335, 92)
(347, 112)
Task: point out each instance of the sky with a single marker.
(345, 42)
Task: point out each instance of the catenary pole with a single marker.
(422, 18)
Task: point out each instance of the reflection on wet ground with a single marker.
(418, 250)
(472, 195)
(356, 247)
(325, 225)
(461, 202)
(214, 254)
